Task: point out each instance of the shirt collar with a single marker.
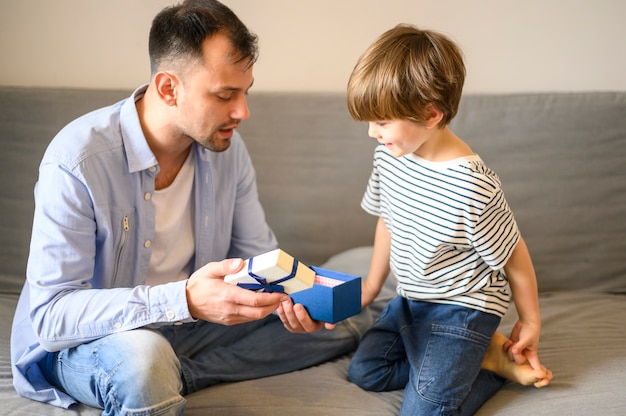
(138, 153)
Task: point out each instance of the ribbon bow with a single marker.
(262, 282)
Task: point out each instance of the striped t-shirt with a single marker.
(451, 228)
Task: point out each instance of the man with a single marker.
(137, 205)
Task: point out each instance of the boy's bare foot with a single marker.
(496, 360)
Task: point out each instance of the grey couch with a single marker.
(561, 157)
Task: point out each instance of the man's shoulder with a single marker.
(96, 131)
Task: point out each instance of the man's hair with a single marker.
(178, 32)
(402, 72)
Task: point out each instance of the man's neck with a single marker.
(168, 146)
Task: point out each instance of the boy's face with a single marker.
(400, 137)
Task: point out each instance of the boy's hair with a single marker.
(178, 31)
(402, 72)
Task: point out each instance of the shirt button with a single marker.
(170, 314)
(152, 168)
(117, 325)
(147, 196)
(147, 244)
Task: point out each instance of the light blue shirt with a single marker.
(93, 227)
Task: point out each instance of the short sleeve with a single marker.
(496, 233)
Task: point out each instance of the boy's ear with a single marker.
(432, 115)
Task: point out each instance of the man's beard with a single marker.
(215, 143)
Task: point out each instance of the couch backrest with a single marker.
(313, 163)
(561, 158)
(29, 119)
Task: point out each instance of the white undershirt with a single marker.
(173, 246)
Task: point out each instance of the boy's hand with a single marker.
(297, 320)
(523, 343)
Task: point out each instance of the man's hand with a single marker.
(211, 299)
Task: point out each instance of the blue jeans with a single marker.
(148, 372)
(432, 351)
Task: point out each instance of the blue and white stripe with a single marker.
(452, 229)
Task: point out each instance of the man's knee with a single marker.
(142, 372)
(141, 356)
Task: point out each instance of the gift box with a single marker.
(334, 296)
(274, 271)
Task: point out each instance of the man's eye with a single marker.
(225, 95)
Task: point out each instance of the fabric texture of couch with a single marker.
(562, 161)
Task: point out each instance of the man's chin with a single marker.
(216, 145)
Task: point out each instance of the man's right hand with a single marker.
(211, 299)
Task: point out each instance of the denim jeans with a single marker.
(148, 372)
(432, 351)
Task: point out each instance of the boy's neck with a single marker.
(443, 146)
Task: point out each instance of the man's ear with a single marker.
(432, 115)
(166, 85)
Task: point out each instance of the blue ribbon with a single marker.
(262, 282)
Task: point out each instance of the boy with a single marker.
(446, 232)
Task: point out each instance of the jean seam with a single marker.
(156, 410)
(458, 332)
(187, 379)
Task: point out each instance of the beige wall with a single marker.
(510, 45)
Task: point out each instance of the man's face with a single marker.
(212, 96)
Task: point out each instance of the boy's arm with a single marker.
(525, 334)
(379, 267)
